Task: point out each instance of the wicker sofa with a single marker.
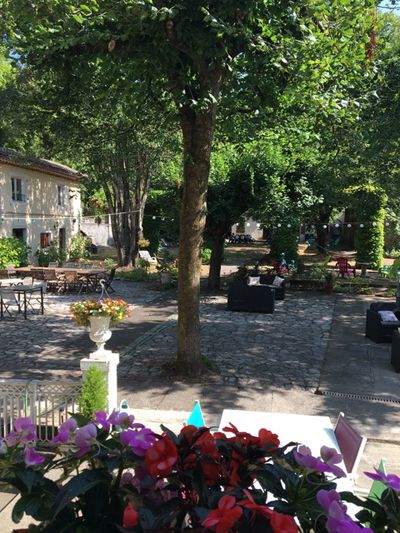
(253, 298)
(267, 279)
(375, 328)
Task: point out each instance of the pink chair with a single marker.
(351, 444)
(345, 268)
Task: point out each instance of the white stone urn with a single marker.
(100, 333)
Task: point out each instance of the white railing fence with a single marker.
(47, 402)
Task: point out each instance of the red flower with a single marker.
(268, 438)
(222, 519)
(131, 517)
(282, 523)
(161, 457)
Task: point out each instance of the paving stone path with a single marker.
(285, 349)
(51, 345)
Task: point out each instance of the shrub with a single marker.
(394, 268)
(13, 251)
(50, 254)
(94, 392)
(166, 262)
(144, 264)
(109, 263)
(205, 256)
(393, 253)
(77, 249)
(137, 274)
(369, 204)
(284, 240)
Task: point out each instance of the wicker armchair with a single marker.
(253, 298)
(375, 329)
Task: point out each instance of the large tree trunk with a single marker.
(198, 129)
(217, 252)
(321, 231)
(141, 192)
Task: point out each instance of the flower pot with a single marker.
(165, 277)
(100, 332)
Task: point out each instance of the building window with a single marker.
(60, 196)
(45, 239)
(18, 193)
(19, 233)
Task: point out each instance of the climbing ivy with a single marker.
(369, 204)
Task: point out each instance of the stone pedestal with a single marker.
(107, 361)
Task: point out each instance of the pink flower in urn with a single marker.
(85, 437)
(31, 457)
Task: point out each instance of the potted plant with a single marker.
(166, 266)
(98, 315)
(112, 474)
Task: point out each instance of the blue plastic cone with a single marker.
(196, 416)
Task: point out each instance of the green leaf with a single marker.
(79, 485)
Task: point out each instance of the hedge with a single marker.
(369, 204)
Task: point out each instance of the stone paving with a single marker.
(285, 349)
(51, 345)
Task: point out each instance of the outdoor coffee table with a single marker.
(363, 266)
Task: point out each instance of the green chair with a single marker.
(384, 271)
(377, 487)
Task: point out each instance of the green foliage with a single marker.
(136, 274)
(13, 251)
(166, 262)
(205, 256)
(77, 249)
(285, 240)
(394, 269)
(110, 263)
(143, 264)
(164, 205)
(369, 204)
(393, 253)
(93, 393)
(50, 254)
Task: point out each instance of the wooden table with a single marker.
(91, 275)
(363, 266)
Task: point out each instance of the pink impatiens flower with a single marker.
(304, 458)
(390, 480)
(65, 430)
(24, 431)
(85, 437)
(338, 520)
(31, 457)
(139, 440)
